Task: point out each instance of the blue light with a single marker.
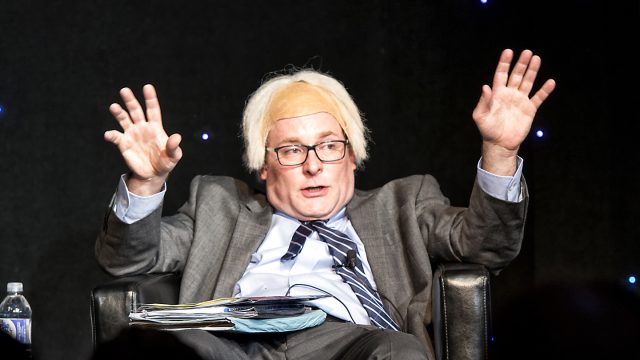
(632, 279)
(483, 1)
(539, 133)
(1, 109)
(205, 136)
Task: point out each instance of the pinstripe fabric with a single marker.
(339, 244)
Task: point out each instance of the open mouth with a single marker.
(314, 188)
(314, 191)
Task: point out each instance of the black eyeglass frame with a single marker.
(309, 148)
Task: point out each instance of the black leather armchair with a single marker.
(461, 307)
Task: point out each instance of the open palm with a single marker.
(145, 146)
(505, 112)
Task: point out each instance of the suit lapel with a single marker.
(368, 219)
(250, 230)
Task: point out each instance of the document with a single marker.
(243, 314)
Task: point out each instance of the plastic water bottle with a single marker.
(15, 315)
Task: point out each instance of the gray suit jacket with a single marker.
(406, 225)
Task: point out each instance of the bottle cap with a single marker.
(14, 287)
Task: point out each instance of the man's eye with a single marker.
(291, 151)
(328, 146)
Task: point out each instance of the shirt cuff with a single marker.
(130, 208)
(505, 188)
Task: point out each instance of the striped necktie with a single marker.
(353, 274)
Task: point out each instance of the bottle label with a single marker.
(19, 329)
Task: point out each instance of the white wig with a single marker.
(256, 123)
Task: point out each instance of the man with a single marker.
(313, 232)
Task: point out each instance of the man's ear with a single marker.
(352, 160)
(264, 172)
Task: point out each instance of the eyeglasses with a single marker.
(326, 151)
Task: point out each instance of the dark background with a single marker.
(415, 68)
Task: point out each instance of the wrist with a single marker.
(145, 186)
(499, 160)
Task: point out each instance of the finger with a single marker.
(485, 98)
(519, 69)
(133, 106)
(531, 74)
(502, 70)
(542, 94)
(173, 146)
(113, 136)
(121, 116)
(152, 104)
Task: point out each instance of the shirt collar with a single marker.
(334, 219)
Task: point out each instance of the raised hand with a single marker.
(505, 111)
(146, 148)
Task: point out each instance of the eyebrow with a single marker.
(297, 140)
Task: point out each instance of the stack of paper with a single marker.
(270, 313)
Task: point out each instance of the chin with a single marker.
(314, 215)
(323, 215)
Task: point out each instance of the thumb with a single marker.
(173, 146)
(113, 136)
(483, 102)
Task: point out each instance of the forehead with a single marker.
(307, 128)
(298, 99)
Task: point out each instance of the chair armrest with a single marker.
(112, 302)
(461, 312)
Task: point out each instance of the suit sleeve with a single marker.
(153, 244)
(488, 232)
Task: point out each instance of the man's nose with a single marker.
(313, 164)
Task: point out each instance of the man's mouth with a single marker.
(314, 188)
(314, 191)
